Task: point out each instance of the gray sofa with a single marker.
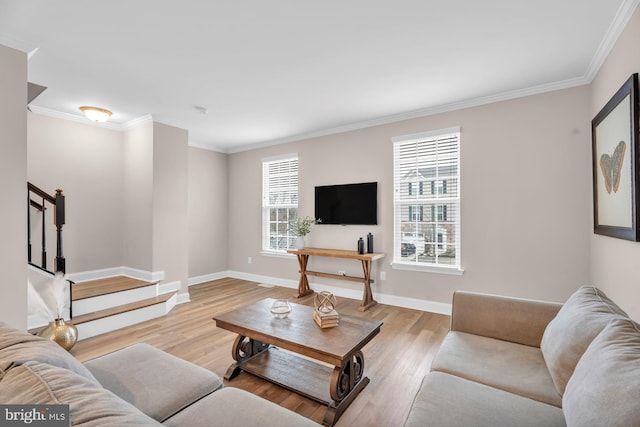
(135, 386)
(516, 362)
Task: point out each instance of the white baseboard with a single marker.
(171, 302)
(165, 288)
(196, 280)
(398, 301)
(175, 286)
(414, 303)
(262, 279)
(183, 297)
(148, 276)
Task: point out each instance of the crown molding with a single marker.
(208, 147)
(120, 127)
(626, 10)
(423, 112)
(73, 118)
(136, 122)
(619, 23)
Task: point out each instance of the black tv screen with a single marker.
(347, 204)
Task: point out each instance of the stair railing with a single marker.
(40, 203)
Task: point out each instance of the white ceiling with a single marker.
(275, 71)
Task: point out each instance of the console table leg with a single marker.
(367, 295)
(303, 284)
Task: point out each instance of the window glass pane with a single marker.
(279, 201)
(283, 215)
(426, 199)
(283, 227)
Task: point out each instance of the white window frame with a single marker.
(439, 198)
(286, 184)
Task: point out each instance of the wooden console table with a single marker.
(366, 259)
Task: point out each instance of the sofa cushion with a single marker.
(89, 404)
(447, 400)
(512, 367)
(154, 381)
(234, 407)
(604, 389)
(579, 321)
(17, 347)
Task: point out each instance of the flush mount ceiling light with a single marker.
(96, 114)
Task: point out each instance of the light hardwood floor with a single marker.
(395, 360)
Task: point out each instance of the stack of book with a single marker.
(326, 320)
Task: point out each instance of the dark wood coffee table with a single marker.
(262, 340)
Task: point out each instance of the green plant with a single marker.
(302, 226)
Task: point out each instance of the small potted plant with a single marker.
(301, 226)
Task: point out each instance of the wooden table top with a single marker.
(337, 253)
(299, 333)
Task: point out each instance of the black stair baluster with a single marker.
(59, 216)
(43, 261)
(28, 226)
(58, 202)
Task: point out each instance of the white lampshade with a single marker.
(96, 114)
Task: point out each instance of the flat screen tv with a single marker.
(347, 204)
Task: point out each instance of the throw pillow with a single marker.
(605, 386)
(89, 404)
(579, 321)
(17, 347)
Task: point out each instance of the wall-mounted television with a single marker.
(347, 204)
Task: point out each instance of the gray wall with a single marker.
(170, 231)
(526, 188)
(13, 175)
(525, 197)
(614, 262)
(208, 212)
(84, 161)
(137, 195)
(128, 197)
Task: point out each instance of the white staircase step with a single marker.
(106, 301)
(92, 324)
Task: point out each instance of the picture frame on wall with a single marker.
(614, 134)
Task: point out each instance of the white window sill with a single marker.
(454, 271)
(276, 254)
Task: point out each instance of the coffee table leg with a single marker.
(346, 383)
(244, 348)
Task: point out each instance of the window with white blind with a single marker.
(279, 202)
(427, 201)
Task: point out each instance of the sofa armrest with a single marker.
(511, 319)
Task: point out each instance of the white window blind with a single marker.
(279, 202)
(427, 199)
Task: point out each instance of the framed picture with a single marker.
(614, 133)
